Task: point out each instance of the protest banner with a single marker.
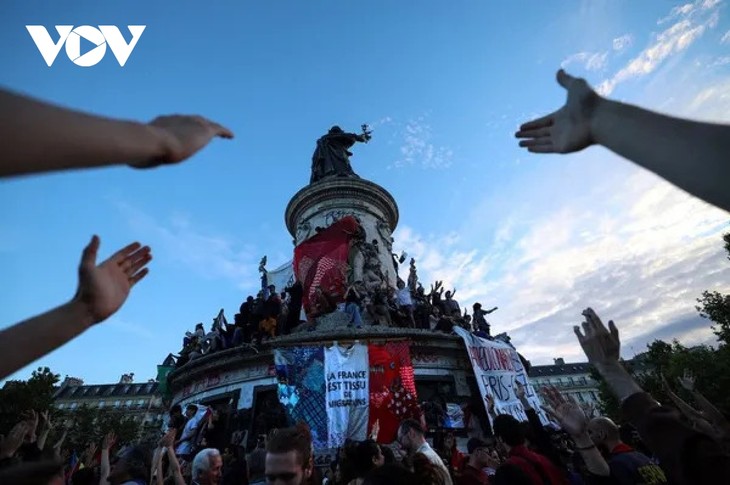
(497, 368)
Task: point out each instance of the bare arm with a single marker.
(175, 467)
(693, 155)
(102, 291)
(41, 137)
(574, 421)
(711, 413)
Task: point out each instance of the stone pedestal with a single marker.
(320, 204)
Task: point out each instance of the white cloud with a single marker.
(725, 39)
(182, 242)
(690, 22)
(590, 61)
(417, 148)
(621, 43)
(639, 257)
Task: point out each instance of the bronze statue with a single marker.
(332, 157)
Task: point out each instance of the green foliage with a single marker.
(18, 396)
(715, 306)
(711, 368)
(90, 425)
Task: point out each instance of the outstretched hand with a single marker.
(183, 137)
(569, 128)
(687, 380)
(602, 346)
(10, 443)
(104, 288)
(566, 412)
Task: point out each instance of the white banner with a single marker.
(281, 277)
(347, 376)
(497, 368)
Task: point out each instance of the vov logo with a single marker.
(71, 36)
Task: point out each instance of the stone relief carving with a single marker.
(330, 217)
(304, 230)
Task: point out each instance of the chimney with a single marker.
(559, 361)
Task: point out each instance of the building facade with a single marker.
(572, 379)
(141, 401)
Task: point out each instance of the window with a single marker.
(73, 405)
(61, 406)
(117, 403)
(140, 403)
(580, 397)
(101, 404)
(128, 403)
(583, 381)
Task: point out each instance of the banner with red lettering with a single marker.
(322, 261)
(497, 367)
(392, 388)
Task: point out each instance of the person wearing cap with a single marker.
(479, 459)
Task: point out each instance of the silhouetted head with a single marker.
(335, 129)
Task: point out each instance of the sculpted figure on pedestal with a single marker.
(331, 158)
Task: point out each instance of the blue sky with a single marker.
(443, 85)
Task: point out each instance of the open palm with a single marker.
(569, 128)
(104, 288)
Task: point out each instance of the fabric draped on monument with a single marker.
(347, 376)
(340, 392)
(497, 368)
(281, 277)
(301, 387)
(322, 260)
(392, 388)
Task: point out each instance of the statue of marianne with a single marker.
(332, 155)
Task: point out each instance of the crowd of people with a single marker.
(271, 314)
(673, 447)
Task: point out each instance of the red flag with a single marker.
(392, 388)
(322, 260)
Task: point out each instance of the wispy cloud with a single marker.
(590, 61)
(180, 240)
(689, 22)
(725, 39)
(621, 43)
(640, 257)
(417, 148)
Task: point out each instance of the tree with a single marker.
(18, 396)
(715, 306)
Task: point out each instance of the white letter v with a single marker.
(45, 44)
(119, 47)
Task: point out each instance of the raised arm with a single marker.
(40, 137)
(681, 450)
(710, 412)
(104, 466)
(574, 421)
(102, 291)
(694, 156)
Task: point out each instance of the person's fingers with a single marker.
(534, 132)
(133, 280)
(614, 331)
(542, 149)
(536, 142)
(221, 131)
(587, 328)
(120, 255)
(576, 330)
(137, 261)
(543, 122)
(88, 256)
